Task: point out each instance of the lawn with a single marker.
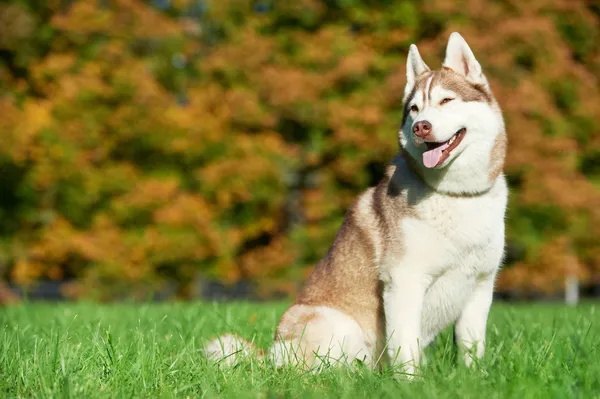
(153, 350)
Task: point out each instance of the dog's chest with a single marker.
(456, 233)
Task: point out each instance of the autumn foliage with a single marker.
(146, 142)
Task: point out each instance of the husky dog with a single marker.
(419, 251)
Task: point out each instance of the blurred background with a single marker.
(209, 148)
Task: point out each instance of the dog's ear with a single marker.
(415, 67)
(460, 59)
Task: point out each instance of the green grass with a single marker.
(153, 350)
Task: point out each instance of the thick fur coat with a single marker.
(419, 251)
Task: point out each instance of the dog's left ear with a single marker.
(460, 59)
(415, 67)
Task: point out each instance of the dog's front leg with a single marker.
(469, 332)
(403, 296)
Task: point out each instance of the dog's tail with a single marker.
(228, 349)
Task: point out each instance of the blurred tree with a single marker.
(143, 142)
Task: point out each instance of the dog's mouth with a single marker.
(437, 153)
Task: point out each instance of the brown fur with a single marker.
(467, 91)
(450, 80)
(497, 157)
(348, 278)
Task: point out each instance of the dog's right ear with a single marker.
(415, 67)
(460, 58)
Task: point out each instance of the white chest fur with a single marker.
(452, 249)
(460, 242)
(456, 232)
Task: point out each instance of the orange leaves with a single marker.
(363, 116)
(147, 145)
(546, 272)
(264, 261)
(85, 17)
(186, 210)
(286, 87)
(102, 243)
(249, 160)
(54, 244)
(354, 66)
(129, 18)
(247, 48)
(21, 128)
(246, 110)
(151, 192)
(47, 256)
(25, 272)
(46, 74)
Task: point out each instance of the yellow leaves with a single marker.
(285, 87)
(345, 116)
(227, 271)
(246, 48)
(54, 245)
(150, 193)
(547, 273)
(233, 175)
(186, 209)
(47, 256)
(23, 127)
(26, 272)
(84, 17)
(16, 26)
(47, 73)
(316, 204)
(204, 121)
(314, 7)
(245, 109)
(121, 18)
(101, 244)
(167, 147)
(268, 260)
(234, 178)
(355, 64)
(113, 253)
(148, 22)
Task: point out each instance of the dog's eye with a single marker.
(446, 100)
(414, 108)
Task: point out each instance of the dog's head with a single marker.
(452, 126)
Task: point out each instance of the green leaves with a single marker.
(144, 142)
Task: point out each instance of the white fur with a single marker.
(338, 339)
(228, 349)
(453, 249)
(466, 169)
(452, 245)
(461, 59)
(415, 67)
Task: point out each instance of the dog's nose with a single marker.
(422, 129)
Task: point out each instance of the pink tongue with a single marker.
(432, 157)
